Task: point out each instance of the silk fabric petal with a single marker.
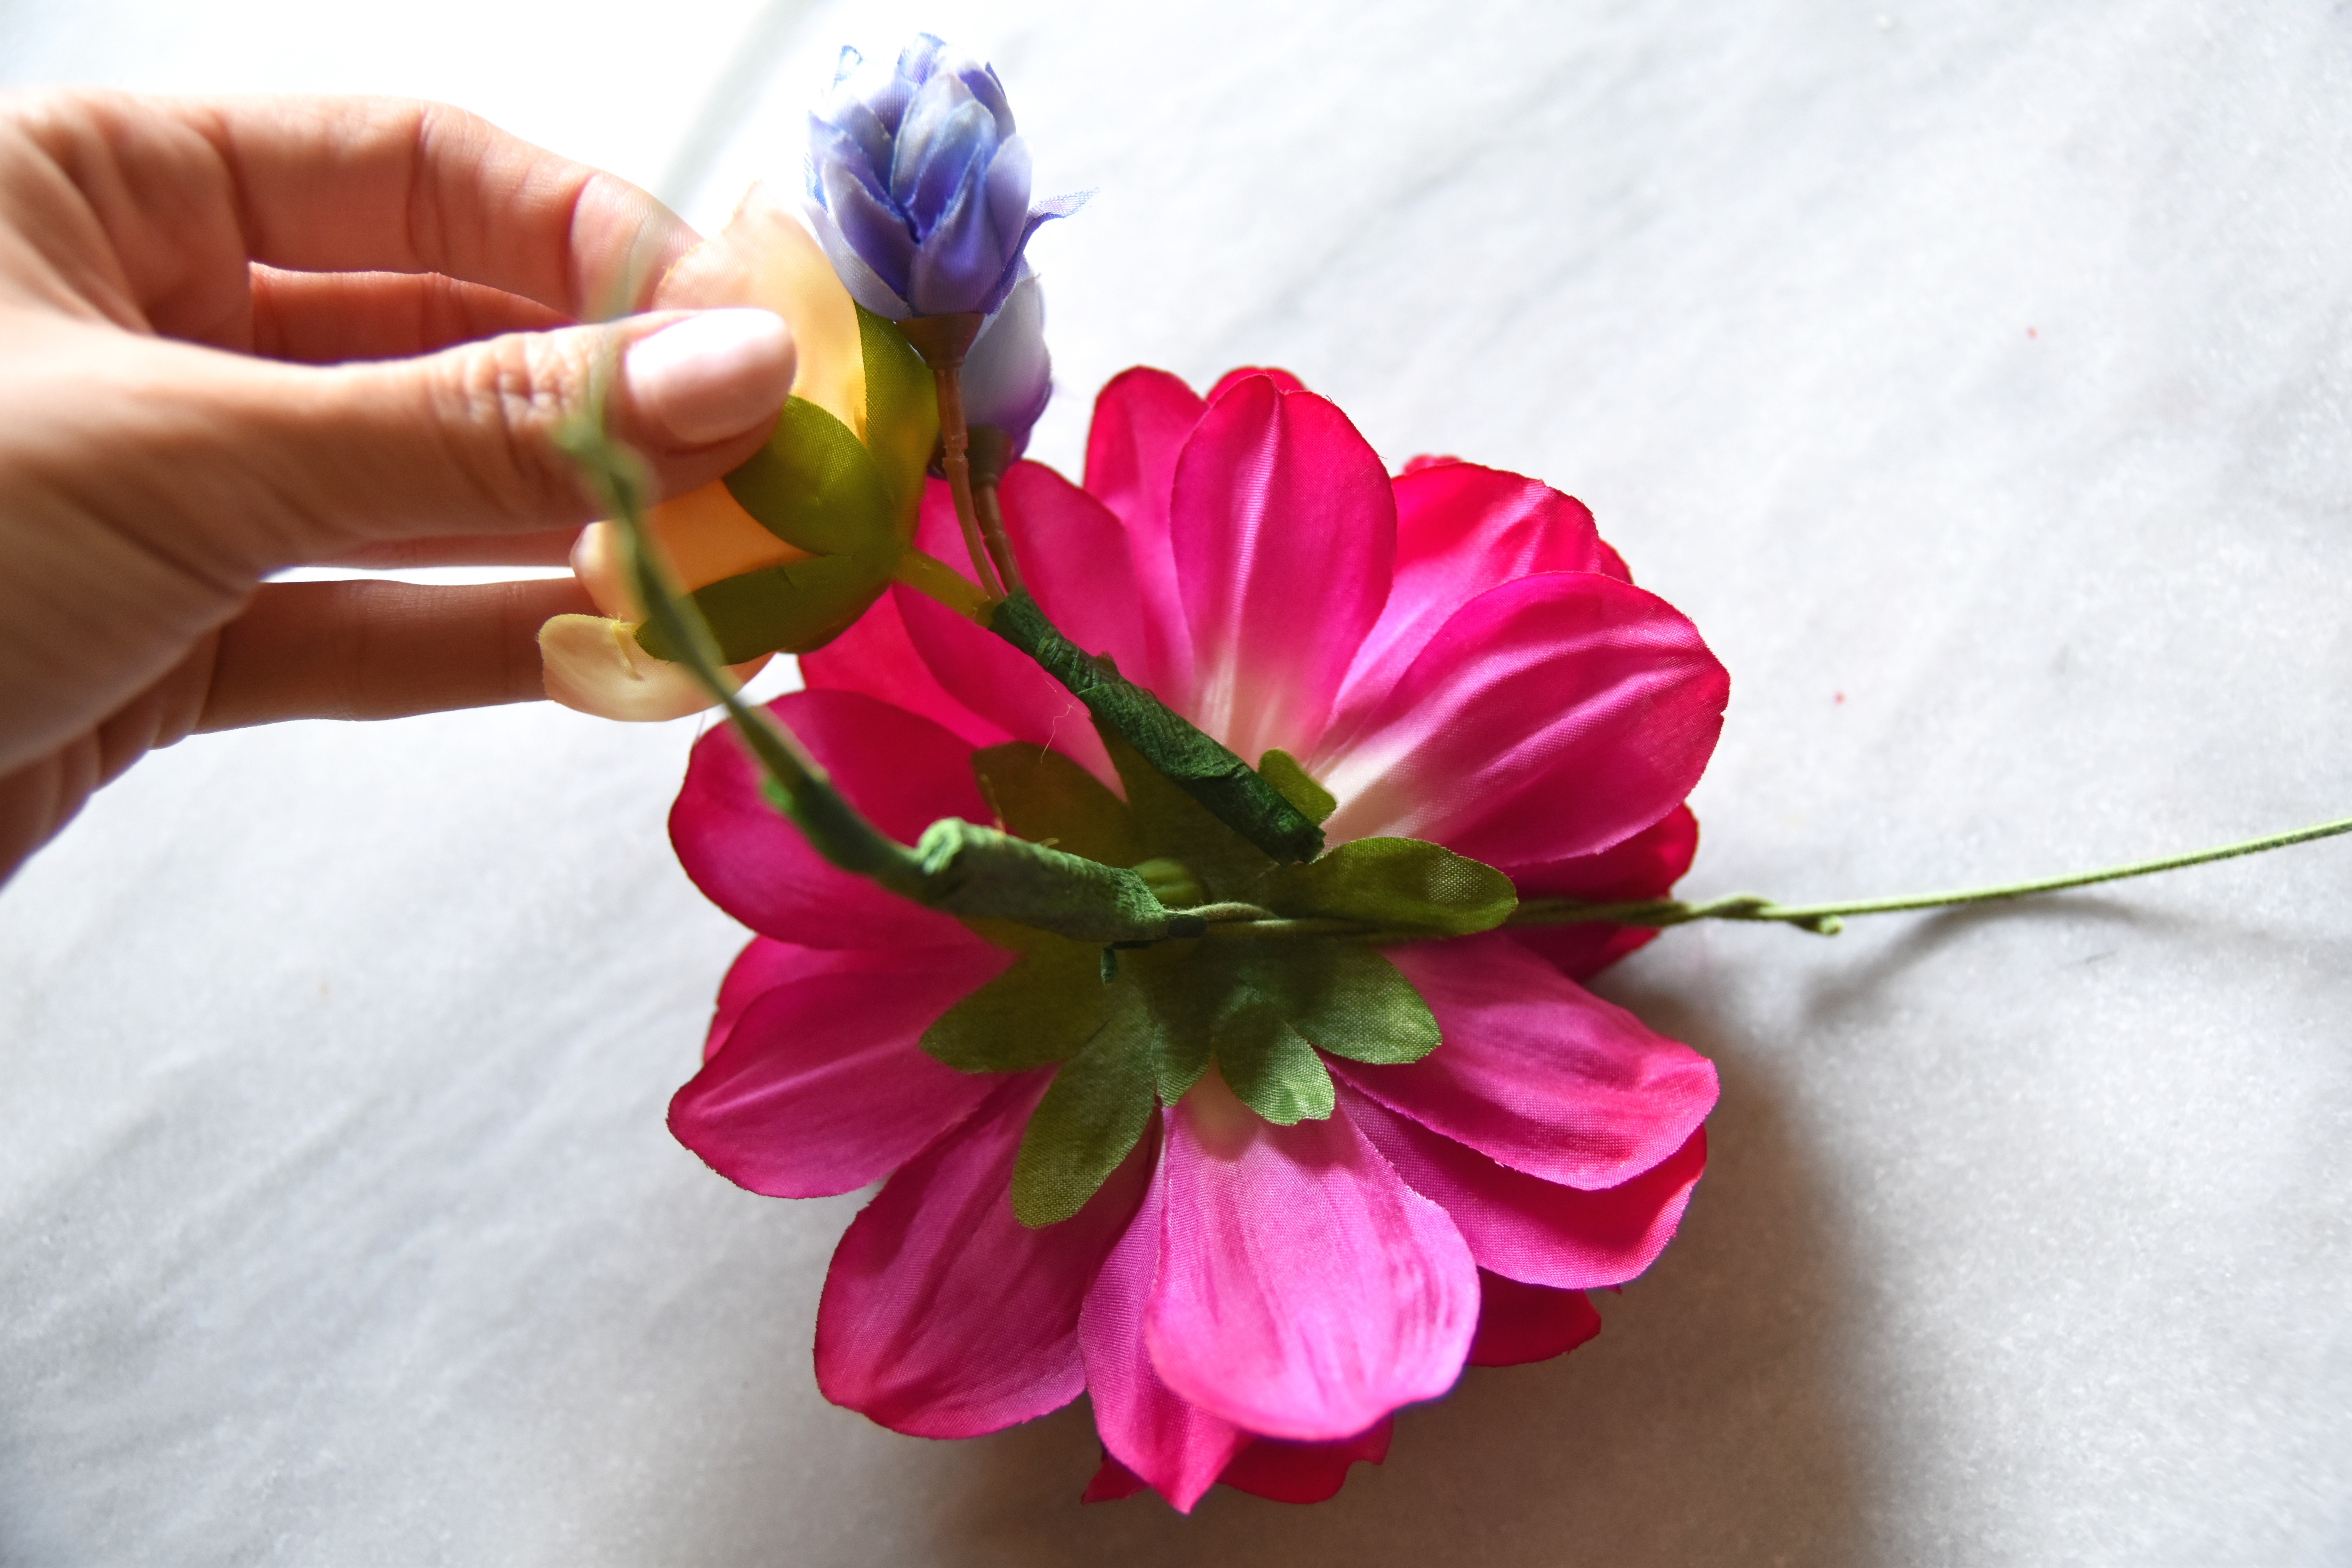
(1536, 1072)
(942, 1315)
(822, 1085)
(1304, 1290)
(1551, 717)
(903, 772)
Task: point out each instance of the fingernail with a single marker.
(712, 375)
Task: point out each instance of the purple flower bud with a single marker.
(1008, 376)
(919, 186)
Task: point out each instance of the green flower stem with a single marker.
(1826, 919)
(832, 826)
(1239, 922)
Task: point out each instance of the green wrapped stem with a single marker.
(1224, 783)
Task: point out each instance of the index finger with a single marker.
(356, 184)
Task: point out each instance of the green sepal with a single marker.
(795, 606)
(1344, 998)
(1092, 1114)
(1269, 1063)
(1041, 795)
(816, 487)
(1185, 992)
(1043, 1009)
(1294, 784)
(1397, 884)
(902, 414)
(1198, 766)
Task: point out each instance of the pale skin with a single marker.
(238, 335)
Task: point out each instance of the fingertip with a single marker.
(713, 376)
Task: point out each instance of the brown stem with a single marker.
(991, 529)
(954, 443)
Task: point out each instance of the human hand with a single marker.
(240, 335)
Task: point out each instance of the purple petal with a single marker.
(822, 1085)
(1536, 1072)
(1304, 1290)
(1008, 375)
(865, 284)
(1551, 717)
(962, 259)
(876, 233)
(944, 145)
(943, 1316)
(1284, 531)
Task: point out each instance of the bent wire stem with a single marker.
(1826, 919)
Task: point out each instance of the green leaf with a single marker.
(1043, 796)
(1198, 766)
(1043, 1009)
(1343, 998)
(1294, 784)
(902, 413)
(1269, 1063)
(1091, 1116)
(816, 487)
(798, 606)
(1398, 884)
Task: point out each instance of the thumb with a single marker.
(465, 441)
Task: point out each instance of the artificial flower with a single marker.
(1300, 1217)
(789, 549)
(919, 184)
(1008, 376)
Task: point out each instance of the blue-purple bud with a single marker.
(1008, 377)
(919, 186)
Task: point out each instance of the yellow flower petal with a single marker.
(766, 257)
(592, 664)
(704, 534)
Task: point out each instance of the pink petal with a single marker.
(1551, 717)
(1646, 866)
(1074, 552)
(765, 963)
(1176, 1447)
(938, 531)
(1284, 532)
(1142, 422)
(1536, 1072)
(1001, 684)
(822, 1086)
(1305, 1472)
(1304, 1290)
(903, 772)
(1520, 1323)
(1528, 1228)
(943, 1316)
(1460, 531)
(1112, 1481)
(1283, 380)
(877, 657)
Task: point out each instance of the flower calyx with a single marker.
(1127, 1036)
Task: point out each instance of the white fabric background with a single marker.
(1975, 374)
